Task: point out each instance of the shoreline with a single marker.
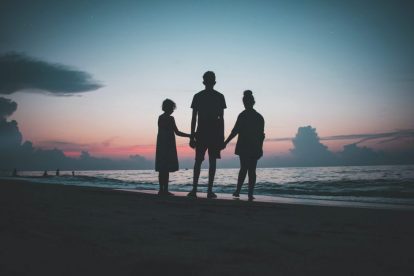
(275, 199)
(289, 200)
(49, 229)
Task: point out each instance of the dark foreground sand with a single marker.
(62, 230)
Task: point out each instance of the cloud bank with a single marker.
(362, 137)
(21, 72)
(24, 156)
(308, 150)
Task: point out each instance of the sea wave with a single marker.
(373, 184)
(366, 188)
(354, 188)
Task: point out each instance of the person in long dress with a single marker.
(250, 130)
(166, 159)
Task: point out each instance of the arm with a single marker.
(193, 122)
(193, 127)
(223, 106)
(179, 133)
(234, 132)
(231, 136)
(262, 129)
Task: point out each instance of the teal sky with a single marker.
(342, 67)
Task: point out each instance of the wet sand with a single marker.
(66, 230)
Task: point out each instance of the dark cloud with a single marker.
(21, 72)
(88, 162)
(282, 139)
(15, 154)
(7, 108)
(63, 145)
(308, 150)
(78, 147)
(386, 136)
(353, 154)
(10, 136)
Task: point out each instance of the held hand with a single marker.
(192, 143)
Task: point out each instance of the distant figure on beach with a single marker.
(250, 128)
(57, 172)
(208, 110)
(45, 174)
(166, 159)
(14, 173)
(73, 173)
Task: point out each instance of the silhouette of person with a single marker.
(208, 110)
(166, 159)
(250, 130)
(14, 173)
(73, 173)
(57, 172)
(45, 173)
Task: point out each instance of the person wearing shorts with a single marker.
(208, 110)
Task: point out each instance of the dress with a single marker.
(250, 128)
(166, 158)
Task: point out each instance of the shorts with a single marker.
(209, 137)
(213, 151)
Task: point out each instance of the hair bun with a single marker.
(248, 93)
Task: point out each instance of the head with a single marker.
(209, 79)
(168, 106)
(248, 99)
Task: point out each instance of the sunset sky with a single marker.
(343, 67)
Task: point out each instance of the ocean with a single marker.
(351, 184)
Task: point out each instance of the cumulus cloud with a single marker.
(10, 136)
(308, 150)
(21, 72)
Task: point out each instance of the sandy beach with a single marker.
(66, 230)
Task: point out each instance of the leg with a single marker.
(166, 182)
(196, 175)
(200, 152)
(211, 172)
(252, 177)
(161, 179)
(242, 176)
(213, 154)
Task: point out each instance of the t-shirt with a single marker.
(250, 128)
(209, 105)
